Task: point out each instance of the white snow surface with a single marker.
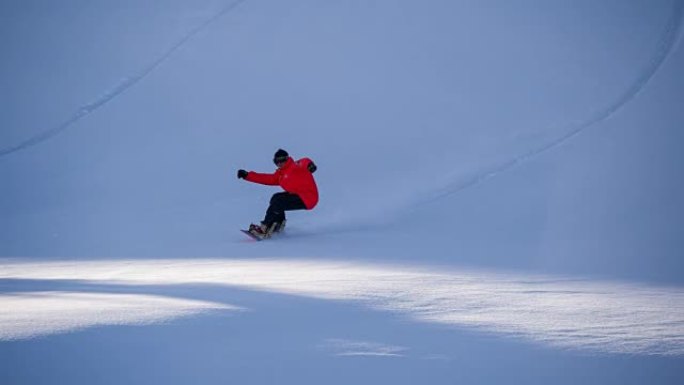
(500, 186)
(34, 314)
(581, 314)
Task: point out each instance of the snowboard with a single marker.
(256, 238)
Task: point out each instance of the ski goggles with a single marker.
(279, 160)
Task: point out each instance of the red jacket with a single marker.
(294, 177)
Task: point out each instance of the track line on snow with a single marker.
(664, 49)
(123, 85)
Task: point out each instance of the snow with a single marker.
(501, 198)
(362, 348)
(598, 316)
(29, 315)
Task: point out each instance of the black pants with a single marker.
(281, 202)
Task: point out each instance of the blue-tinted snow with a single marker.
(501, 198)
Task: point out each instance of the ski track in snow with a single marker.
(595, 316)
(120, 88)
(664, 49)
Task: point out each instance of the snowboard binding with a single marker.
(262, 231)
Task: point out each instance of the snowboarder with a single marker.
(301, 192)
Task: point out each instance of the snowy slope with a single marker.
(499, 187)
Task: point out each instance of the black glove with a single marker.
(312, 167)
(242, 174)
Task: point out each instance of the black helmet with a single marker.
(280, 156)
